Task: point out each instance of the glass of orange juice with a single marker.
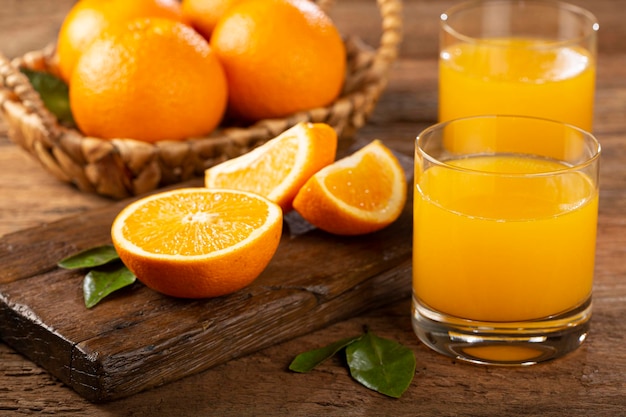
(521, 57)
(505, 215)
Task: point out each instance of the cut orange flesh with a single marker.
(359, 194)
(278, 168)
(196, 242)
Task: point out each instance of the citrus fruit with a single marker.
(204, 14)
(153, 79)
(280, 57)
(361, 193)
(87, 19)
(196, 242)
(278, 168)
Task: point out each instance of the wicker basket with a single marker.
(120, 168)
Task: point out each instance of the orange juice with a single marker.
(504, 247)
(519, 77)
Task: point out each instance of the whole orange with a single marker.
(280, 57)
(204, 14)
(155, 79)
(89, 18)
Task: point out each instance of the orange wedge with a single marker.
(359, 194)
(278, 168)
(196, 242)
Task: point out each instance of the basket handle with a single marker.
(391, 37)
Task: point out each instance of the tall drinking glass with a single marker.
(519, 57)
(505, 219)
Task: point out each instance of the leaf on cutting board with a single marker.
(100, 283)
(90, 258)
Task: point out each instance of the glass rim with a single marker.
(596, 149)
(591, 31)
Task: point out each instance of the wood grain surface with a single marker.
(589, 382)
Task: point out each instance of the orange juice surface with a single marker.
(503, 247)
(517, 76)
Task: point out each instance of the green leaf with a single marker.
(306, 361)
(381, 364)
(90, 258)
(100, 283)
(54, 93)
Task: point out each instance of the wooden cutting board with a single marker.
(137, 339)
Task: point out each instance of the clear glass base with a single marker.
(508, 343)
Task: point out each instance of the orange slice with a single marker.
(278, 168)
(358, 194)
(197, 243)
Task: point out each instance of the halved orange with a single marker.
(361, 193)
(278, 168)
(196, 242)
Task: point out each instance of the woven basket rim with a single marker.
(122, 167)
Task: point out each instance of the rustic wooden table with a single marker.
(588, 382)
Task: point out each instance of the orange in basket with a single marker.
(204, 14)
(153, 79)
(196, 242)
(358, 194)
(89, 18)
(280, 57)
